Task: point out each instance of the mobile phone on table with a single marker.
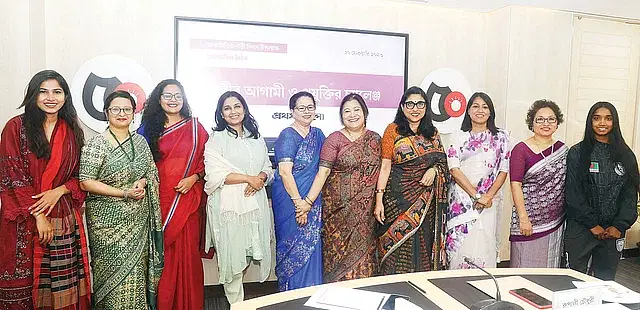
(531, 298)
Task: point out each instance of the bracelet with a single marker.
(125, 195)
(296, 198)
(308, 200)
(378, 191)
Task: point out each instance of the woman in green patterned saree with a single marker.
(123, 212)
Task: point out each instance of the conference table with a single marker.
(444, 289)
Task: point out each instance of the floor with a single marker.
(628, 274)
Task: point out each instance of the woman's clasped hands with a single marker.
(302, 210)
(137, 191)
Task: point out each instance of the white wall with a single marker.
(520, 71)
(15, 62)
(515, 54)
(144, 31)
(617, 8)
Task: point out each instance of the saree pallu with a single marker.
(32, 275)
(412, 239)
(348, 232)
(543, 188)
(298, 248)
(182, 149)
(125, 236)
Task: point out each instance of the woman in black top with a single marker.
(601, 193)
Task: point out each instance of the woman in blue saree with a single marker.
(298, 220)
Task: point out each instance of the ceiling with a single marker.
(629, 9)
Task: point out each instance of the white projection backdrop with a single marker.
(267, 63)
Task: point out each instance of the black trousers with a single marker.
(581, 245)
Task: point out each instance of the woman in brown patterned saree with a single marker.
(349, 165)
(411, 196)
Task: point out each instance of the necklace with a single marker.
(170, 123)
(546, 161)
(478, 136)
(351, 136)
(133, 151)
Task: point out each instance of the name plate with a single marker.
(579, 297)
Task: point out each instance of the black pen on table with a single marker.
(380, 304)
(417, 287)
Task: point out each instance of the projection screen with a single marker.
(267, 63)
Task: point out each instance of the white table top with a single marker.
(439, 297)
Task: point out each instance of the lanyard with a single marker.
(133, 150)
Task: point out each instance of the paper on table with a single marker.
(612, 291)
(510, 283)
(612, 306)
(403, 304)
(341, 298)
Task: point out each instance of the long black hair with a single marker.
(154, 117)
(34, 117)
(491, 122)
(248, 121)
(426, 128)
(621, 151)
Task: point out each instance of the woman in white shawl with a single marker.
(239, 220)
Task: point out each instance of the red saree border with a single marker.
(58, 138)
(194, 131)
(175, 126)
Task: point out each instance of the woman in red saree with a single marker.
(177, 142)
(43, 248)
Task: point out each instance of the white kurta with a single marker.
(240, 240)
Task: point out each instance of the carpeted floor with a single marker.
(628, 274)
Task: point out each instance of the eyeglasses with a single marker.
(416, 104)
(169, 96)
(307, 108)
(550, 120)
(117, 110)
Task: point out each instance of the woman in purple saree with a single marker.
(538, 170)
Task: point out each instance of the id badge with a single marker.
(594, 167)
(620, 244)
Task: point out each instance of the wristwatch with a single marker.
(476, 197)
